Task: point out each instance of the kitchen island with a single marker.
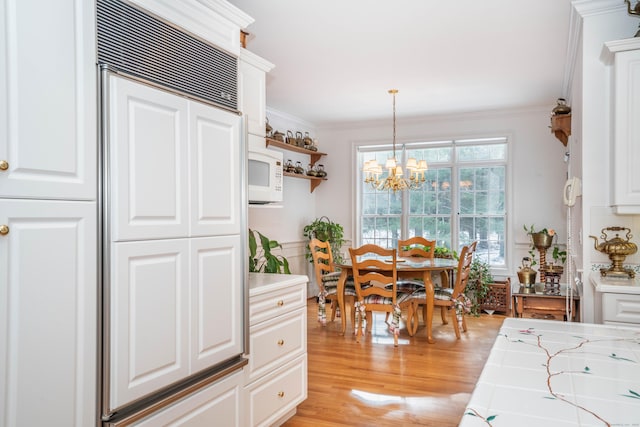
(549, 373)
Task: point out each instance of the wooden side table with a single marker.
(540, 306)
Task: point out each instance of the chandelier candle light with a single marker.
(395, 179)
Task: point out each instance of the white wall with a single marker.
(537, 171)
(537, 167)
(285, 222)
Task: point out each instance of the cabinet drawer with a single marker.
(269, 305)
(544, 314)
(275, 342)
(621, 308)
(216, 404)
(277, 393)
(544, 304)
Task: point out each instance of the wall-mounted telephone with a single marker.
(572, 189)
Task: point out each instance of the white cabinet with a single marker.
(252, 86)
(47, 313)
(621, 309)
(219, 404)
(48, 256)
(176, 271)
(623, 58)
(276, 376)
(47, 99)
(617, 301)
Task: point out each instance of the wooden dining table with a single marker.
(407, 268)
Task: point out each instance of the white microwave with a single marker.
(265, 175)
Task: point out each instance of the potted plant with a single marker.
(478, 284)
(265, 261)
(486, 293)
(325, 230)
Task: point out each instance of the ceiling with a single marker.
(335, 60)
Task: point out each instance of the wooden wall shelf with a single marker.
(313, 181)
(561, 127)
(314, 157)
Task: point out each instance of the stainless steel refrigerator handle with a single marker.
(104, 246)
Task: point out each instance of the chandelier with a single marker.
(394, 179)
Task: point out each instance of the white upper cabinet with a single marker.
(252, 86)
(47, 99)
(623, 58)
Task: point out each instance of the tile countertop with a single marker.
(549, 373)
(618, 285)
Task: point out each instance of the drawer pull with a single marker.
(281, 394)
(280, 343)
(280, 303)
(4, 165)
(4, 229)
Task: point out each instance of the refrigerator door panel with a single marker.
(216, 300)
(149, 160)
(149, 317)
(215, 167)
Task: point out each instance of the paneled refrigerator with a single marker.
(172, 224)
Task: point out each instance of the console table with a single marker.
(541, 306)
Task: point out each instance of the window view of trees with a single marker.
(454, 212)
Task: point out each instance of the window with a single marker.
(452, 211)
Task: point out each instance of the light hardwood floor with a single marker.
(375, 384)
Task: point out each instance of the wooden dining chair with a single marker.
(375, 278)
(417, 246)
(327, 280)
(453, 299)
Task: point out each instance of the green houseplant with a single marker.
(485, 292)
(325, 230)
(478, 284)
(265, 261)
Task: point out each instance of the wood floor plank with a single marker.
(375, 384)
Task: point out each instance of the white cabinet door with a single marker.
(217, 327)
(216, 168)
(148, 162)
(625, 57)
(149, 317)
(48, 99)
(48, 318)
(253, 92)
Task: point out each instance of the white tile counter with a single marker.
(547, 373)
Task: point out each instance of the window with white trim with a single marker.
(454, 212)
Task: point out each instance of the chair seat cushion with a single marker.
(407, 286)
(377, 299)
(330, 283)
(443, 294)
